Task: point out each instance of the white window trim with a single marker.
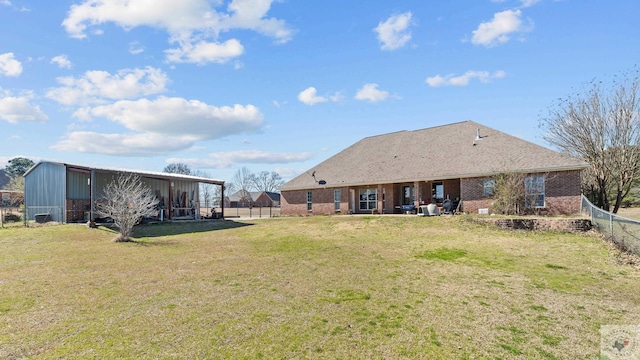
(543, 191)
(369, 192)
(488, 187)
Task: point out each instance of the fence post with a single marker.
(611, 223)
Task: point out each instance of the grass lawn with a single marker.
(321, 287)
(632, 213)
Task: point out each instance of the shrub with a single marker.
(12, 217)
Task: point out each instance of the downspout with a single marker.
(92, 222)
(170, 197)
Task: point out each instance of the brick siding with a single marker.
(76, 210)
(562, 194)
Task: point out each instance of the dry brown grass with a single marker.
(321, 287)
(632, 213)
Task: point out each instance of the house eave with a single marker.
(436, 178)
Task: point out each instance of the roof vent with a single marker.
(478, 137)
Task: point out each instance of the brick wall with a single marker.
(76, 210)
(295, 202)
(562, 194)
(472, 197)
(11, 198)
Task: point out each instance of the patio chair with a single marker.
(448, 207)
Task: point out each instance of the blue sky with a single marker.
(283, 85)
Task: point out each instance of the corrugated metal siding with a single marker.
(180, 186)
(159, 187)
(101, 180)
(78, 186)
(45, 191)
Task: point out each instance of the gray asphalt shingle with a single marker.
(442, 152)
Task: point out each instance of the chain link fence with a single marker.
(245, 212)
(624, 232)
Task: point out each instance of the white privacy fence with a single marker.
(623, 231)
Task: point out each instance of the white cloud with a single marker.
(96, 86)
(288, 173)
(528, 3)
(62, 61)
(5, 2)
(160, 126)
(185, 19)
(250, 14)
(226, 159)
(279, 104)
(498, 30)
(337, 97)
(370, 92)
(309, 97)
(9, 66)
(204, 52)
(463, 80)
(179, 116)
(122, 144)
(393, 33)
(135, 48)
(15, 109)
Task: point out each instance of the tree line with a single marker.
(243, 181)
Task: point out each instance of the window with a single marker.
(407, 197)
(534, 191)
(437, 192)
(489, 187)
(368, 199)
(309, 202)
(336, 200)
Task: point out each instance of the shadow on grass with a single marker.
(177, 228)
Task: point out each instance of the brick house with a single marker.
(245, 199)
(11, 198)
(389, 173)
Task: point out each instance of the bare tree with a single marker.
(178, 168)
(206, 190)
(243, 180)
(16, 183)
(16, 186)
(601, 125)
(267, 181)
(508, 192)
(229, 188)
(127, 200)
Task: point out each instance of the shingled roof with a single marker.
(437, 153)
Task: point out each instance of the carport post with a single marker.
(92, 221)
(222, 199)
